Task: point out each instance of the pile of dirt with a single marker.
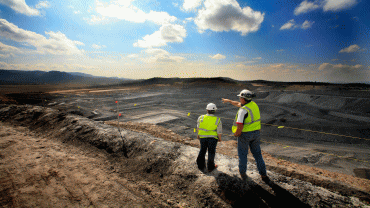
(169, 167)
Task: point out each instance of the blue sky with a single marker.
(293, 40)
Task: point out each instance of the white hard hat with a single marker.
(246, 94)
(211, 106)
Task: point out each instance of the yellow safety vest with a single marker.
(208, 126)
(253, 121)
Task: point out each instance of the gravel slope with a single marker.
(168, 169)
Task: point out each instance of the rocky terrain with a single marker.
(154, 171)
(71, 153)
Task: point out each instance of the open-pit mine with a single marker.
(135, 145)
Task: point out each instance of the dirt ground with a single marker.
(39, 169)
(301, 111)
(39, 172)
(50, 159)
(230, 148)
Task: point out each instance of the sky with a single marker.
(276, 40)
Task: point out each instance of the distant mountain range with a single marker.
(16, 77)
(10, 77)
(160, 80)
(229, 81)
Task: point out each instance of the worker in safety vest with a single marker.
(246, 128)
(209, 133)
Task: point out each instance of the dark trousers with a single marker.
(210, 144)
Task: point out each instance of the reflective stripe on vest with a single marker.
(208, 126)
(253, 121)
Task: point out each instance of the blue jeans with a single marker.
(251, 139)
(210, 144)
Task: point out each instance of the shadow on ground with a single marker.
(238, 193)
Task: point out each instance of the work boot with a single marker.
(212, 168)
(244, 177)
(265, 179)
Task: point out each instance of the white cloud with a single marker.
(153, 40)
(218, 56)
(249, 62)
(190, 5)
(291, 25)
(167, 33)
(6, 55)
(344, 72)
(307, 24)
(240, 65)
(57, 43)
(326, 5)
(20, 6)
(49, 66)
(121, 11)
(96, 19)
(226, 15)
(350, 49)
(189, 19)
(160, 18)
(337, 5)
(173, 33)
(77, 12)
(281, 50)
(8, 49)
(239, 57)
(277, 66)
(124, 10)
(328, 66)
(161, 56)
(43, 4)
(165, 58)
(258, 58)
(156, 51)
(305, 7)
(133, 56)
(95, 46)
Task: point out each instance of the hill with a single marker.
(18, 77)
(226, 80)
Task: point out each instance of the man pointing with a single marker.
(246, 128)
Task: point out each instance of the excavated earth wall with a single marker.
(173, 165)
(348, 104)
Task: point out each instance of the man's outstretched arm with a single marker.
(232, 102)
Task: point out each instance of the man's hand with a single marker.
(225, 100)
(239, 130)
(232, 102)
(237, 134)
